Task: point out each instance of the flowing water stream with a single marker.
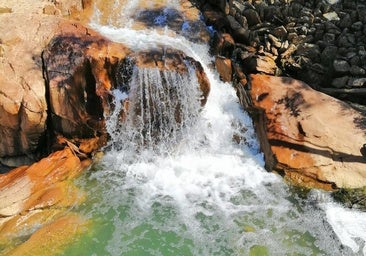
(196, 187)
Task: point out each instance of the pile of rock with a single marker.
(315, 41)
(261, 46)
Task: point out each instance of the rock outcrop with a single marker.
(311, 138)
(79, 69)
(32, 197)
(61, 86)
(26, 28)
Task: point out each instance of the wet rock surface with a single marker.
(26, 28)
(33, 197)
(316, 42)
(306, 143)
(62, 84)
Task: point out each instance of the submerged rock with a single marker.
(32, 197)
(311, 138)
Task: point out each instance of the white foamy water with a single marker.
(206, 193)
(349, 225)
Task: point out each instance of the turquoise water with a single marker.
(201, 190)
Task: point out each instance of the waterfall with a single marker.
(181, 179)
(163, 106)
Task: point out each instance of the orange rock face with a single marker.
(38, 195)
(26, 28)
(79, 69)
(310, 143)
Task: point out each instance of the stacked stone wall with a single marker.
(322, 43)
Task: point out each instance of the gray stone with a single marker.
(232, 11)
(340, 82)
(357, 82)
(357, 26)
(252, 17)
(341, 66)
(242, 20)
(222, 4)
(361, 10)
(343, 41)
(332, 28)
(239, 33)
(357, 71)
(311, 51)
(329, 38)
(355, 61)
(352, 53)
(239, 7)
(346, 21)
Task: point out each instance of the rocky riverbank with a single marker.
(56, 82)
(316, 42)
(311, 139)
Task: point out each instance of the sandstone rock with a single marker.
(79, 74)
(279, 32)
(34, 196)
(305, 136)
(25, 31)
(170, 59)
(223, 66)
(274, 41)
(223, 44)
(266, 64)
(54, 237)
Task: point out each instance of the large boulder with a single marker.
(79, 68)
(311, 138)
(26, 27)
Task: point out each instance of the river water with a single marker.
(200, 188)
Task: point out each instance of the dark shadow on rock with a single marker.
(326, 152)
(361, 123)
(194, 30)
(161, 17)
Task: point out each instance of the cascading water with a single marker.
(163, 105)
(197, 186)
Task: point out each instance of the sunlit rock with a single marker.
(79, 70)
(34, 196)
(54, 237)
(26, 27)
(313, 139)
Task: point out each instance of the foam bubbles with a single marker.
(208, 194)
(349, 225)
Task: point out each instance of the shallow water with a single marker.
(201, 190)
